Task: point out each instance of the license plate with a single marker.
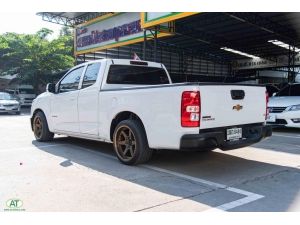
(234, 133)
(271, 118)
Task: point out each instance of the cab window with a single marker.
(90, 75)
(71, 81)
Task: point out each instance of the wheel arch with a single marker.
(125, 115)
(33, 114)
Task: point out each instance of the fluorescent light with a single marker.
(284, 45)
(240, 53)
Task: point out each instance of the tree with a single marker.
(33, 57)
(66, 31)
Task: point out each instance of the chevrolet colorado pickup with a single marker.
(135, 106)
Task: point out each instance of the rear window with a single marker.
(140, 75)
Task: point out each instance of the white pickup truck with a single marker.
(134, 105)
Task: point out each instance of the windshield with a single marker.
(26, 91)
(290, 90)
(6, 96)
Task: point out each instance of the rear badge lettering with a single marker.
(207, 118)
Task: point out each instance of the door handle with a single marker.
(237, 94)
(72, 99)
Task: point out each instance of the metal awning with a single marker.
(246, 32)
(69, 18)
(198, 40)
(208, 32)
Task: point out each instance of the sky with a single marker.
(25, 22)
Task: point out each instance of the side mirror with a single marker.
(50, 88)
(274, 94)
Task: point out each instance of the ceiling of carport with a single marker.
(246, 32)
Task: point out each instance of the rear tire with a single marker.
(130, 143)
(40, 128)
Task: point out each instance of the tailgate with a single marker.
(224, 105)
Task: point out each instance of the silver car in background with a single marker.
(9, 103)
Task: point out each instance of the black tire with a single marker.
(18, 112)
(135, 149)
(40, 128)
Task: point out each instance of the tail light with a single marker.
(267, 101)
(190, 109)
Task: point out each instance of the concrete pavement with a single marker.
(70, 174)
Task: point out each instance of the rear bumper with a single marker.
(216, 138)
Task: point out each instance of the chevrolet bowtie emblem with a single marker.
(237, 107)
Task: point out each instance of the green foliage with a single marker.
(65, 31)
(34, 57)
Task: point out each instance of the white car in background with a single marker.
(284, 107)
(25, 94)
(9, 103)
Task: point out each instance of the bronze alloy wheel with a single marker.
(38, 127)
(130, 142)
(125, 143)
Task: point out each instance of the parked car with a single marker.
(9, 103)
(25, 93)
(284, 107)
(134, 105)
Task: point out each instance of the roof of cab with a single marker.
(122, 61)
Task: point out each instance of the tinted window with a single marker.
(122, 74)
(10, 92)
(284, 91)
(71, 81)
(290, 90)
(295, 90)
(90, 75)
(271, 89)
(26, 91)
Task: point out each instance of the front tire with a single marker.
(40, 128)
(130, 143)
